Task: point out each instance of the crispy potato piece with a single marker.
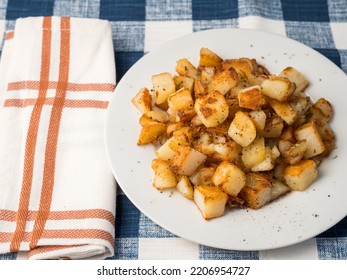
(242, 129)
(273, 127)
(223, 81)
(212, 109)
(251, 98)
(314, 143)
(181, 100)
(295, 77)
(185, 187)
(257, 191)
(185, 68)
(278, 189)
(203, 176)
(163, 85)
(284, 110)
(143, 100)
(245, 65)
(254, 153)
(271, 154)
(184, 82)
(278, 88)
(150, 116)
(187, 160)
(163, 176)
(229, 177)
(299, 176)
(210, 201)
(259, 119)
(209, 59)
(150, 132)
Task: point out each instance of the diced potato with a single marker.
(257, 191)
(173, 126)
(143, 100)
(206, 75)
(184, 82)
(292, 152)
(185, 68)
(296, 77)
(254, 153)
(209, 59)
(251, 98)
(258, 118)
(168, 150)
(185, 187)
(151, 116)
(181, 100)
(299, 176)
(210, 201)
(184, 135)
(150, 132)
(273, 127)
(203, 176)
(163, 176)
(212, 109)
(269, 162)
(278, 189)
(242, 129)
(278, 88)
(199, 89)
(314, 143)
(223, 81)
(228, 151)
(163, 86)
(300, 103)
(242, 64)
(187, 160)
(324, 108)
(229, 177)
(284, 110)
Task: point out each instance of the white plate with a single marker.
(292, 219)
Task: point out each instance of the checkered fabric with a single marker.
(139, 26)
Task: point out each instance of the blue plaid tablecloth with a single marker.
(139, 26)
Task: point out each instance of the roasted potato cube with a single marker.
(229, 177)
(185, 68)
(168, 150)
(323, 108)
(206, 75)
(223, 81)
(143, 100)
(299, 176)
(212, 109)
(203, 176)
(187, 160)
(184, 82)
(292, 153)
(278, 88)
(209, 59)
(273, 127)
(152, 116)
(271, 154)
(278, 189)
(258, 118)
(244, 65)
(251, 98)
(254, 153)
(228, 151)
(257, 191)
(199, 89)
(242, 129)
(296, 77)
(150, 132)
(163, 176)
(181, 100)
(210, 201)
(163, 86)
(284, 110)
(185, 187)
(314, 143)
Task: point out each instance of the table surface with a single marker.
(140, 26)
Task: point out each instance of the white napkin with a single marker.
(57, 193)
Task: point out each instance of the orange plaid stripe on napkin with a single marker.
(57, 193)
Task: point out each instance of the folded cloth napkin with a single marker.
(57, 193)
